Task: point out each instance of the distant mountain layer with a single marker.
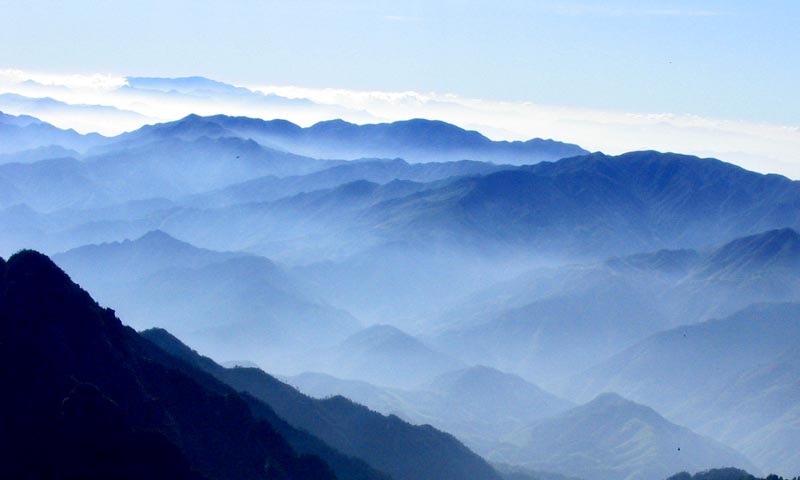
(599, 205)
(387, 443)
(20, 133)
(591, 205)
(83, 117)
(385, 355)
(170, 168)
(201, 87)
(375, 171)
(37, 153)
(417, 140)
(723, 474)
(133, 259)
(479, 405)
(546, 324)
(734, 378)
(670, 368)
(611, 438)
(757, 412)
(222, 301)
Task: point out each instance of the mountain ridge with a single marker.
(416, 140)
(613, 438)
(349, 426)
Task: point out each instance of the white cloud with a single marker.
(757, 146)
(101, 81)
(761, 147)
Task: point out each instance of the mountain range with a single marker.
(547, 322)
(478, 404)
(417, 140)
(24, 132)
(563, 314)
(221, 301)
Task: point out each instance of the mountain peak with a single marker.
(666, 261)
(613, 438)
(773, 240)
(378, 333)
(335, 123)
(617, 409)
(476, 375)
(482, 382)
(158, 236)
(181, 84)
(34, 283)
(18, 120)
(84, 392)
(778, 248)
(34, 267)
(611, 399)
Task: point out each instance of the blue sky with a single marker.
(734, 60)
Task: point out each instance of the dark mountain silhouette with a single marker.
(387, 443)
(614, 438)
(90, 398)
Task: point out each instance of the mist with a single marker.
(530, 298)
